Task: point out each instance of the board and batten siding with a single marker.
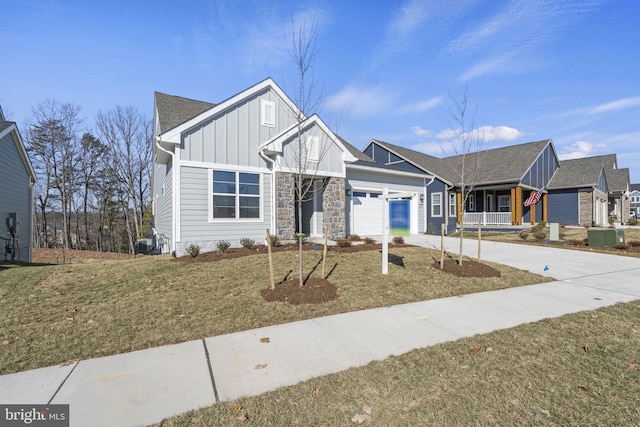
(542, 170)
(233, 136)
(15, 195)
(196, 226)
(331, 158)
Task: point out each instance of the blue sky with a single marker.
(565, 70)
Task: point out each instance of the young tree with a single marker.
(465, 143)
(306, 154)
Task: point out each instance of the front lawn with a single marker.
(56, 313)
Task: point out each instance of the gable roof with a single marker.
(498, 165)
(634, 187)
(505, 164)
(576, 173)
(175, 110)
(12, 128)
(617, 179)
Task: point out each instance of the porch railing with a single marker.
(487, 218)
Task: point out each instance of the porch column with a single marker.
(545, 208)
(532, 210)
(459, 203)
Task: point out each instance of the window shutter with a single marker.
(313, 143)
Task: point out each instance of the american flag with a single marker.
(533, 199)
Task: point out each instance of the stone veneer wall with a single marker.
(285, 206)
(585, 201)
(334, 207)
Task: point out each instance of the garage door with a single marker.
(367, 213)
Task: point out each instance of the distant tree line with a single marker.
(93, 185)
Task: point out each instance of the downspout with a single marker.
(273, 190)
(448, 215)
(173, 197)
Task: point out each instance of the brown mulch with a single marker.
(262, 249)
(468, 268)
(314, 291)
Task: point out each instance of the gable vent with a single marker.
(268, 113)
(313, 143)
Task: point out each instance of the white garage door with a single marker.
(367, 213)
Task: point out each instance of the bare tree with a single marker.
(465, 142)
(92, 154)
(127, 134)
(306, 151)
(52, 137)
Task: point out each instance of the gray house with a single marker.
(228, 171)
(16, 194)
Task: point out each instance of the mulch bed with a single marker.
(314, 291)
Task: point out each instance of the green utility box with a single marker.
(605, 238)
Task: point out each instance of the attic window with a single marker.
(268, 113)
(313, 143)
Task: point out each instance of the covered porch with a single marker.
(501, 206)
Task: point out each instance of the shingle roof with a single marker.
(617, 179)
(4, 125)
(175, 110)
(576, 173)
(506, 164)
(356, 153)
(634, 187)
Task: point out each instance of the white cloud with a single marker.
(619, 104)
(422, 106)
(578, 150)
(418, 131)
(483, 133)
(360, 101)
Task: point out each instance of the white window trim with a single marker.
(471, 203)
(237, 219)
(436, 204)
(504, 197)
(453, 204)
(268, 113)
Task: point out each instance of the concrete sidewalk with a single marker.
(144, 387)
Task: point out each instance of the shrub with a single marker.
(633, 243)
(193, 250)
(432, 229)
(523, 235)
(275, 241)
(343, 243)
(538, 227)
(369, 241)
(223, 245)
(621, 246)
(575, 242)
(632, 221)
(398, 240)
(247, 243)
(354, 238)
(540, 235)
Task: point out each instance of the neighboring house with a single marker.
(503, 179)
(579, 192)
(572, 192)
(634, 199)
(227, 171)
(16, 194)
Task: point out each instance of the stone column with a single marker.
(285, 206)
(334, 207)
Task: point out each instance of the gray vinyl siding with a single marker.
(234, 135)
(381, 155)
(330, 157)
(163, 178)
(563, 207)
(15, 196)
(195, 224)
